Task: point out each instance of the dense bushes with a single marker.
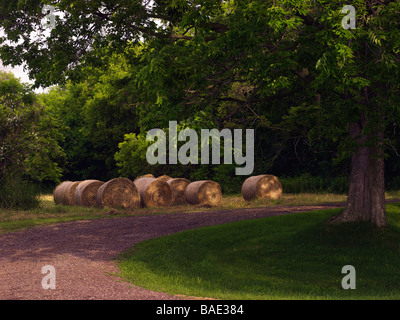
(29, 148)
(314, 184)
(18, 194)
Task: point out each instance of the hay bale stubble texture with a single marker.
(146, 176)
(59, 193)
(204, 193)
(85, 193)
(164, 178)
(118, 193)
(178, 187)
(264, 186)
(154, 192)
(70, 193)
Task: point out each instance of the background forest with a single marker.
(218, 64)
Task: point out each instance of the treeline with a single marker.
(30, 143)
(107, 114)
(95, 129)
(286, 70)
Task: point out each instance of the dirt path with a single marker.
(82, 253)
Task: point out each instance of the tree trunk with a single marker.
(366, 198)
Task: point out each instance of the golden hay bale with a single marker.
(85, 193)
(178, 187)
(59, 193)
(153, 192)
(118, 193)
(70, 193)
(203, 193)
(164, 178)
(263, 186)
(146, 176)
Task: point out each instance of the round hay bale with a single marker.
(85, 193)
(264, 186)
(70, 193)
(146, 176)
(164, 178)
(118, 193)
(154, 192)
(178, 187)
(59, 193)
(204, 193)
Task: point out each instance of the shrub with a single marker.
(307, 183)
(18, 194)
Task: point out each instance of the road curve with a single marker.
(82, 253)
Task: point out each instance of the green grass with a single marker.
(46, 213)
(296, 256)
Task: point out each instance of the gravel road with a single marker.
(83, 253)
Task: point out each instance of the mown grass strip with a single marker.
(296, 256)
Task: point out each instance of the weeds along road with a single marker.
(83, 252)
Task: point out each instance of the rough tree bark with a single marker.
(366, 197)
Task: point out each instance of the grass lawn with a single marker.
(296, 256)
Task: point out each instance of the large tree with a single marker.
(274, 63)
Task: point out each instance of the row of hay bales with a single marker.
(145, 191)
(148, 191)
